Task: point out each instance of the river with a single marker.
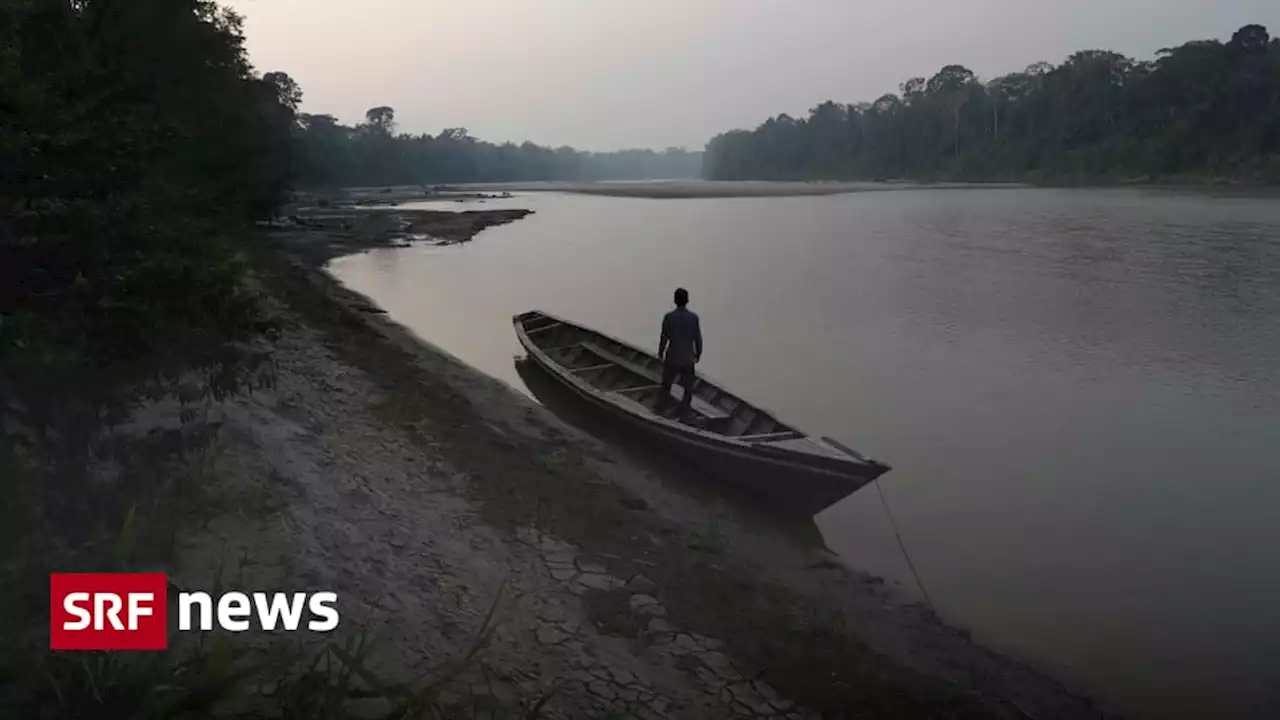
(1077, 389)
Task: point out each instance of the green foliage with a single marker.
(134, 139)
(1206, 108)
(332, 154)
(135, 143)
(709, 539)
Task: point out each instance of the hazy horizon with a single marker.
(606, 76)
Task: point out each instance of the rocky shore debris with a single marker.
(358, 219)
(396, 195)
(321, 234)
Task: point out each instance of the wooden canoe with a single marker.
(724, 434)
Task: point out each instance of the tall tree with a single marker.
(382, 119)
(288, 94)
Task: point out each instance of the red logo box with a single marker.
(108, 611)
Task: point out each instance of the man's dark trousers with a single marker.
(683, 373)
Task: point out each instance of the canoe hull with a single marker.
(794, 483)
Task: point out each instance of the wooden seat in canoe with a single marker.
(699, 405)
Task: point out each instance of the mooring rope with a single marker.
(903, 547)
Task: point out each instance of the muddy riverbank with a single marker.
(420, 487)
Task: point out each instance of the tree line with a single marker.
(373, 153)
(1203, 109)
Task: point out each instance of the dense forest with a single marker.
(1205, 109)
(372, 153)
(135, 140)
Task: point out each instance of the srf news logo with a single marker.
(130, 611)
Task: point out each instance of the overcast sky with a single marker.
(609, 74)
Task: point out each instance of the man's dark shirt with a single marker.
(681, 337)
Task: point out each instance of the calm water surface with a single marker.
(1078, 391)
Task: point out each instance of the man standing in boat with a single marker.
(680, 349)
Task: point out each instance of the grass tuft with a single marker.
(709, 538)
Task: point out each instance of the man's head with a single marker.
(681, 297)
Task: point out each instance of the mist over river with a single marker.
(1077, 389)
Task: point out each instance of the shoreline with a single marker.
(393, 197)
(710, 189)
(734, 598)
(725, 189)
